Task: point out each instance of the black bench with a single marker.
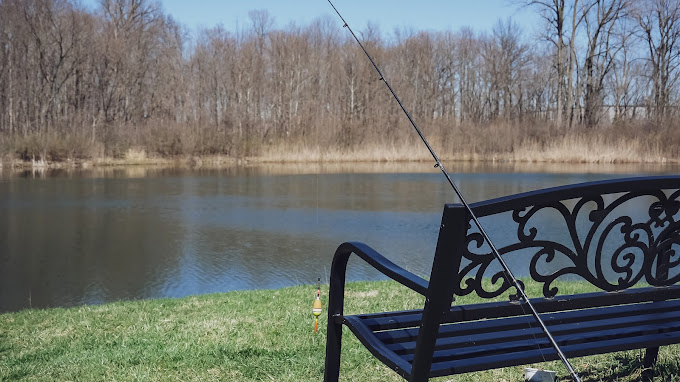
(621, 236)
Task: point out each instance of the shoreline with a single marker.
(189, 162)
(252, 166)
(574, 148)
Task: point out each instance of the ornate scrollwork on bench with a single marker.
(611, 240)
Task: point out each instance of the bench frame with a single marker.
(455, 245)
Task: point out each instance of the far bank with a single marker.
(578, 149)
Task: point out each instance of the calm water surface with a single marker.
(92, 236)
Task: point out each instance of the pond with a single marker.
(91, 236)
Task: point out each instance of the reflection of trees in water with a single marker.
(83, 241)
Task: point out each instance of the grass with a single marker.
(263, 335)
(590, 148)
(175, 144)
(576, 148)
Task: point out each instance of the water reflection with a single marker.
(70, 237)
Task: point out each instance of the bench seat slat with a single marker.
(411, 318)
(463, 338)
(565, 339)
(478, 345)
(548, 354)
(409, 333)
(519, 323)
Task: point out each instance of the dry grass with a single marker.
(576, 147)
(298, 153)
(583, 148)
(135, 154)
(173, 144)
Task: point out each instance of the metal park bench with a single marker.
(620, 236)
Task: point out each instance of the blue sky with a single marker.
(481, 15)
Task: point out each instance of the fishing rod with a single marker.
(438, 164)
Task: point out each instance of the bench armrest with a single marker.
(336, 295)
(377, 261)
(336, 290)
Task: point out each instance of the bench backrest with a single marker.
(614, 234)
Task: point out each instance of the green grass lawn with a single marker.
(264, 335)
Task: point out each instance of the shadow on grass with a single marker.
(629, 367)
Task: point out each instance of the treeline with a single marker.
(78, 83)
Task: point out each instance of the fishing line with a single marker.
(438, 164)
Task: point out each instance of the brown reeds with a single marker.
(493, 142)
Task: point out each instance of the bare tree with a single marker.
(553, 13)
(659, 22)
(52, 25)
(469, 64)
(505, 57)
(129, 48)
(621, 85)
(600, 23)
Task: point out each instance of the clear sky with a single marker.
(481, 15)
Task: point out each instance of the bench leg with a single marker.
(651, 355)
(336, 301)
(333, 347)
